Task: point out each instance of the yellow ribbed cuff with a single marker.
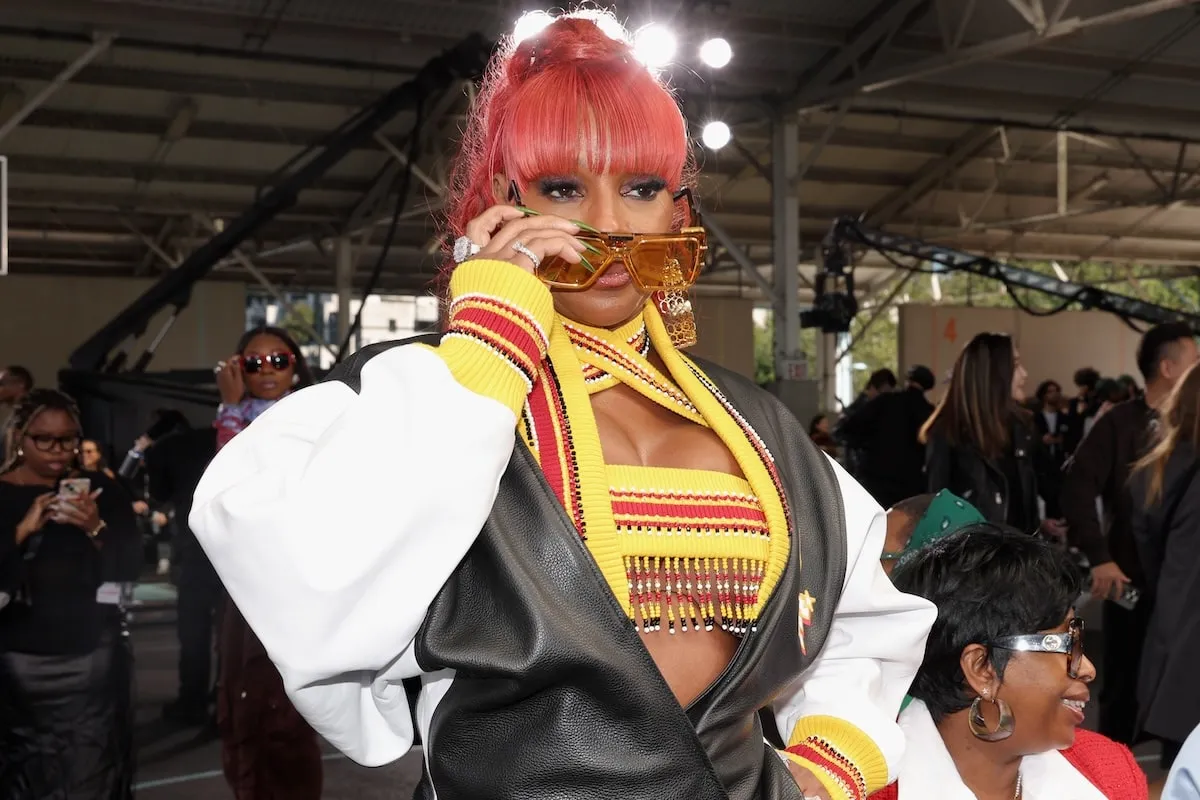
(498, 333)
(844, 759)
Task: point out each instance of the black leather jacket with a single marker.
(982, 481)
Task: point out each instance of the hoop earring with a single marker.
(978, 725)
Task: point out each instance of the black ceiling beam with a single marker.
(466, 61)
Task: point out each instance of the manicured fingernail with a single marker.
(529, 212)
(591, 247)
(587, 263)
(584, 226)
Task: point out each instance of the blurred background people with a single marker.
(979, 440)
(1051, 429)
(66, 713)
(173, 465)
(818, 431)
(879, 382)
(1166, 529)
(1100, 468)
(15, 383)
(268, 750)
(1001, 694)
(885, 432)
(1081, 407)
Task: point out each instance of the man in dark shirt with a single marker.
(881, 381)
(174, 465)
(886, 432)
(1081, 407)
(1100, 469)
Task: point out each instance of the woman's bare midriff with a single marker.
(635, 431)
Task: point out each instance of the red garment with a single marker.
(1109, 766)
(268, 751)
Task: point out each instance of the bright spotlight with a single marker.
(716, 135)
(716, 53)
(655, 46)
(531, 24)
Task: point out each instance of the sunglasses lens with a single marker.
(280, 360)
(1076, 649)
(252, 364)
(667, 263)
(560, 273)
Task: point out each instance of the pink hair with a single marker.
(569, 95)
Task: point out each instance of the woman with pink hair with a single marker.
(616, 571)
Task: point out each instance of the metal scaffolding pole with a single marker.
(785, 225)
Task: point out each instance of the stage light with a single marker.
(531, 24)
(655, 46)
(716, 135)
(716, 53)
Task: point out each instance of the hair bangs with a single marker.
(610, 118)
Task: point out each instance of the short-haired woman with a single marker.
(1003, 687)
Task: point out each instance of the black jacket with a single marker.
(885, 431)
(1168, 695)
(1100, 468)
(984, 482)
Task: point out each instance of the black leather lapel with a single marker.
(554, 694)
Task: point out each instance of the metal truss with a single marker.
(848, 233)
(886, 23)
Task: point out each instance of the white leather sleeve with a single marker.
(875, 645)
(335, 518)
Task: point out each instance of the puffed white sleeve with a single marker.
(335, 518)
(840, 723)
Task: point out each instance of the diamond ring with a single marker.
(464, 249)
(519, 247)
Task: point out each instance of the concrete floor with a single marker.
(180, 765)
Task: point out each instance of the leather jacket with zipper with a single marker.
(982, 481)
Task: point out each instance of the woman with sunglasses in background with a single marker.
(1001, 694)
(268, 751)
(600, 557)
(66, 713)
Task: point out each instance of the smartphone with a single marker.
(71, 489)
(1129, 597)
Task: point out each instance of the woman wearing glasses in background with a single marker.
(1001, 694)
(268, 751)
(66, 715)
(600, 558)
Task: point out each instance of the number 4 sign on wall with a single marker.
(950, 334)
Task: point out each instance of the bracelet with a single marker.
(99, 528)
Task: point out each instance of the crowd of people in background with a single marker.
(1108, 473)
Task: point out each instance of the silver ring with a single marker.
(220, 366)
(465, 249)
(519, 247)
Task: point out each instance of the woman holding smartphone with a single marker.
(65, 667)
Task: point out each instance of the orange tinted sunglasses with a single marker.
(655, 261)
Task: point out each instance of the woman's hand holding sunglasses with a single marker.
(230, 380)
(505, 233)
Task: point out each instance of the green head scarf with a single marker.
(946, 514)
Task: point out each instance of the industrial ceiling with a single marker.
(1048, 129)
